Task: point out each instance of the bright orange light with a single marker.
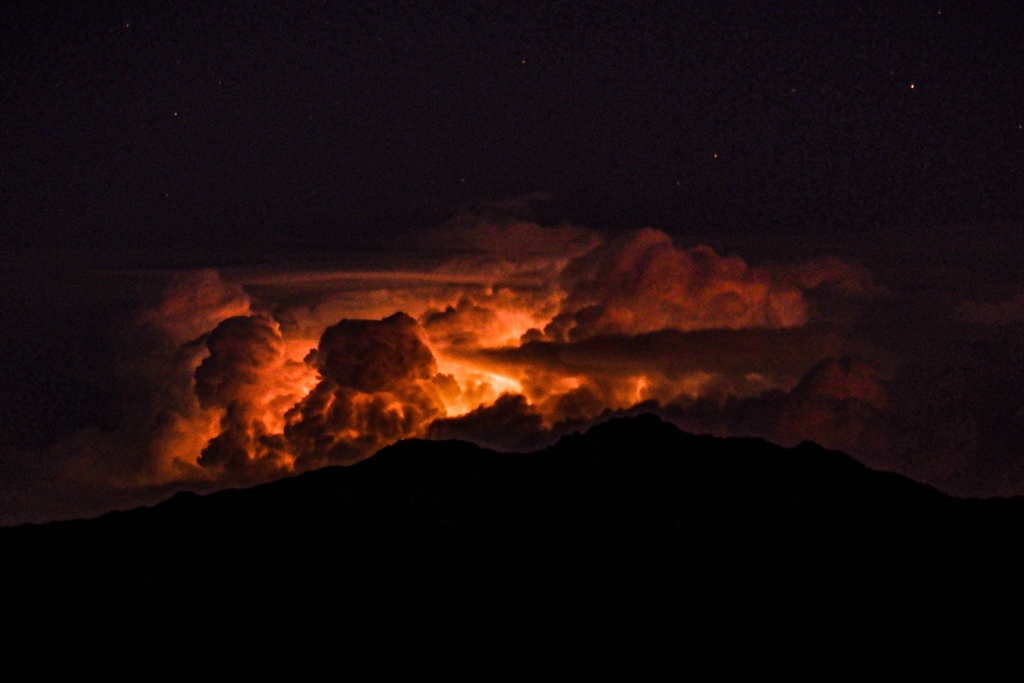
(641, 386)
(479, 386)
(548, 325)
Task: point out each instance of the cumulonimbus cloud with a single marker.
(514, 334)
(643, 283)
(375, 388)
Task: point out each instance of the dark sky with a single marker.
(207, 124)
(864, 162)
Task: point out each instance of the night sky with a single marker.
(792, 223)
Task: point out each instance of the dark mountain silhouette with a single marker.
(606, 545)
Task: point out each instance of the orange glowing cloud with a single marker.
(375, 388)
(513, 328)
(643, 283)
(195, 303)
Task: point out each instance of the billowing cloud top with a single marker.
(515, 334)
(643, 283)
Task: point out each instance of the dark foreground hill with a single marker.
(611, 544)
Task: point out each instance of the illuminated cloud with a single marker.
(508, 424)
(666, 364)
(375, 388)
(838, 404)
(242, 350)
(195, 303)
(505, 234)
(238, 378)
(830, 272)
(510, 335)
(514, 325)
(643, 283)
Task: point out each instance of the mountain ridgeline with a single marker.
(634, 516)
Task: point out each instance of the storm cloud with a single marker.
(519, 333)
